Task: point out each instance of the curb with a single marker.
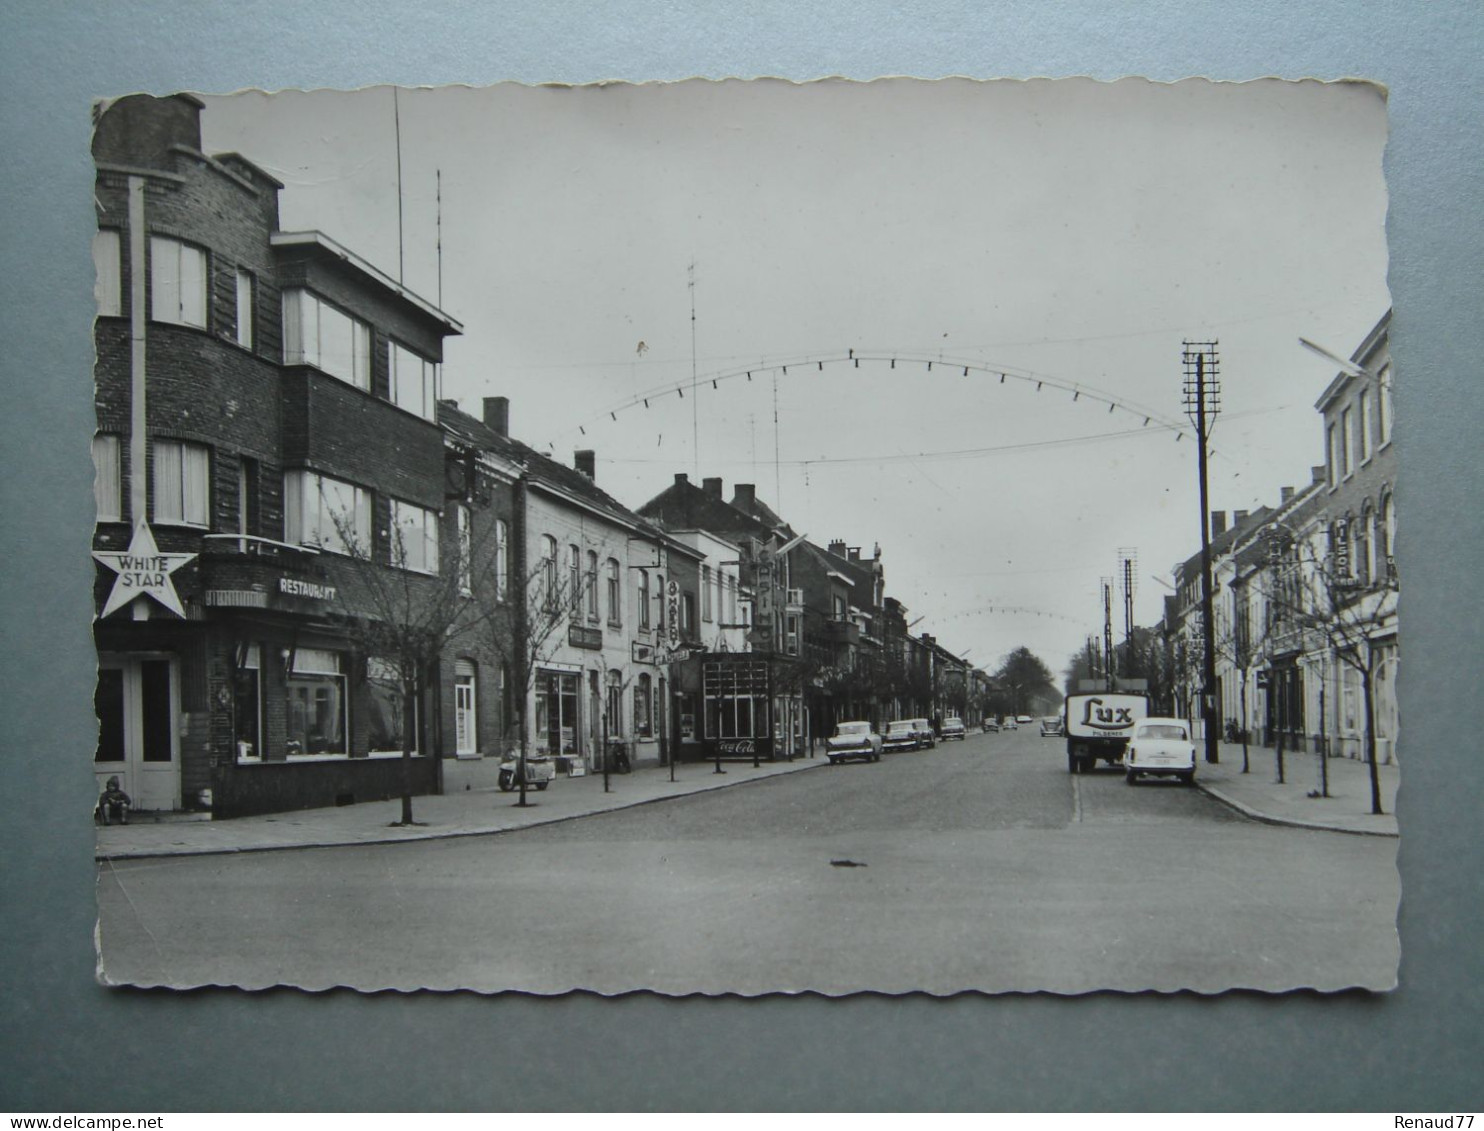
(451, 834)
(1290, 822)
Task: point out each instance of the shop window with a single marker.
(414, 538)
(177, 283)
(244, 331)
(108, 274)
(247, 706)
(414, 382)
(555, 730)
(643, 706)
(386, 708)
(326, 513)
(108, 492)
(316, 704)
(316, 333)
(182, 483)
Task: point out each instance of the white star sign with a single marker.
(142, 570)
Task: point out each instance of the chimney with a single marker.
(1318, 474)
(586, 461)
(855, 553)
(1218, 523)
(1286, 494)
(837, 547)
(682, 479)
(712, 487)
(497, 415)
(1238, 517)
(744, 496)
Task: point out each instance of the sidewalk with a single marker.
(1256, 793)
(465, 813)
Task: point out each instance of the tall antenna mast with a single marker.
(695, 426)
(397, 124)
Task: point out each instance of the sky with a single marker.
(610, 243)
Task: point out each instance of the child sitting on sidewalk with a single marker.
(114, 803)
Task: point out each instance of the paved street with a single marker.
(977, 865)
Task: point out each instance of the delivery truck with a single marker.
(1098, 725)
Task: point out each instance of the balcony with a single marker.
(242, 571)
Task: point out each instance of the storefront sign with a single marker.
(581, 636)
(142, 572)
(642, 653)
(296, 588)
(745, 746)
(672, 612)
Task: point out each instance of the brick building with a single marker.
(267, 449)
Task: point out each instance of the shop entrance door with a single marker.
(138, 703)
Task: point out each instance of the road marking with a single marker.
(1076, 799)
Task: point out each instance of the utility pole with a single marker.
(1108, 631)
(1202, 403)
(1127, 558)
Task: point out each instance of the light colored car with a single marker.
(1024, 720)
(853, 740)
(953, 728)
(901, 734)
(926, 736)
(1009, 723)
(1051, 727)
(1160, 747)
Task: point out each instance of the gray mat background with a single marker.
(68, 1045)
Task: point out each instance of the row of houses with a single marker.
(1305, 591)
(319, 582)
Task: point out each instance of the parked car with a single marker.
(1024, 720)
(926, 736)
(953, 728)
(901, 734)
(1009, 723)
(853, 740)
(1051, 727)
(1160, 747)
(989, 726)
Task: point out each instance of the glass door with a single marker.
(137, 702)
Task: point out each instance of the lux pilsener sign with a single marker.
(142, 572)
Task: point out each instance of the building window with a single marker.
(574, 578)
(791, 634)
(316, 704)
(1383, 405)
(244, 309)
(317, 334)
(466, 549)
(615, 704)
(731, 600)
(108, 275)
(1365, 425)
(182, 483)
(1365, 562)
(592, 585)
(1347, 444)
(1334, 456)
(247, 707)
(839, 606)
(660, 599)
(687, 613)
(386, 709)
(549, 571)
(643, 706)
(643, 600)
(465, 714)
(177, 283)
(502, 559)
(615, 593)
(414, 381)
(706, 593)
(108, 477)
(326, 513)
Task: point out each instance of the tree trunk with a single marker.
(409, 698)
(1370, 735)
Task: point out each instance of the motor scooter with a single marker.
(540, 769)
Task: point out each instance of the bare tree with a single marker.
(403, 610)
(1320, 597)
